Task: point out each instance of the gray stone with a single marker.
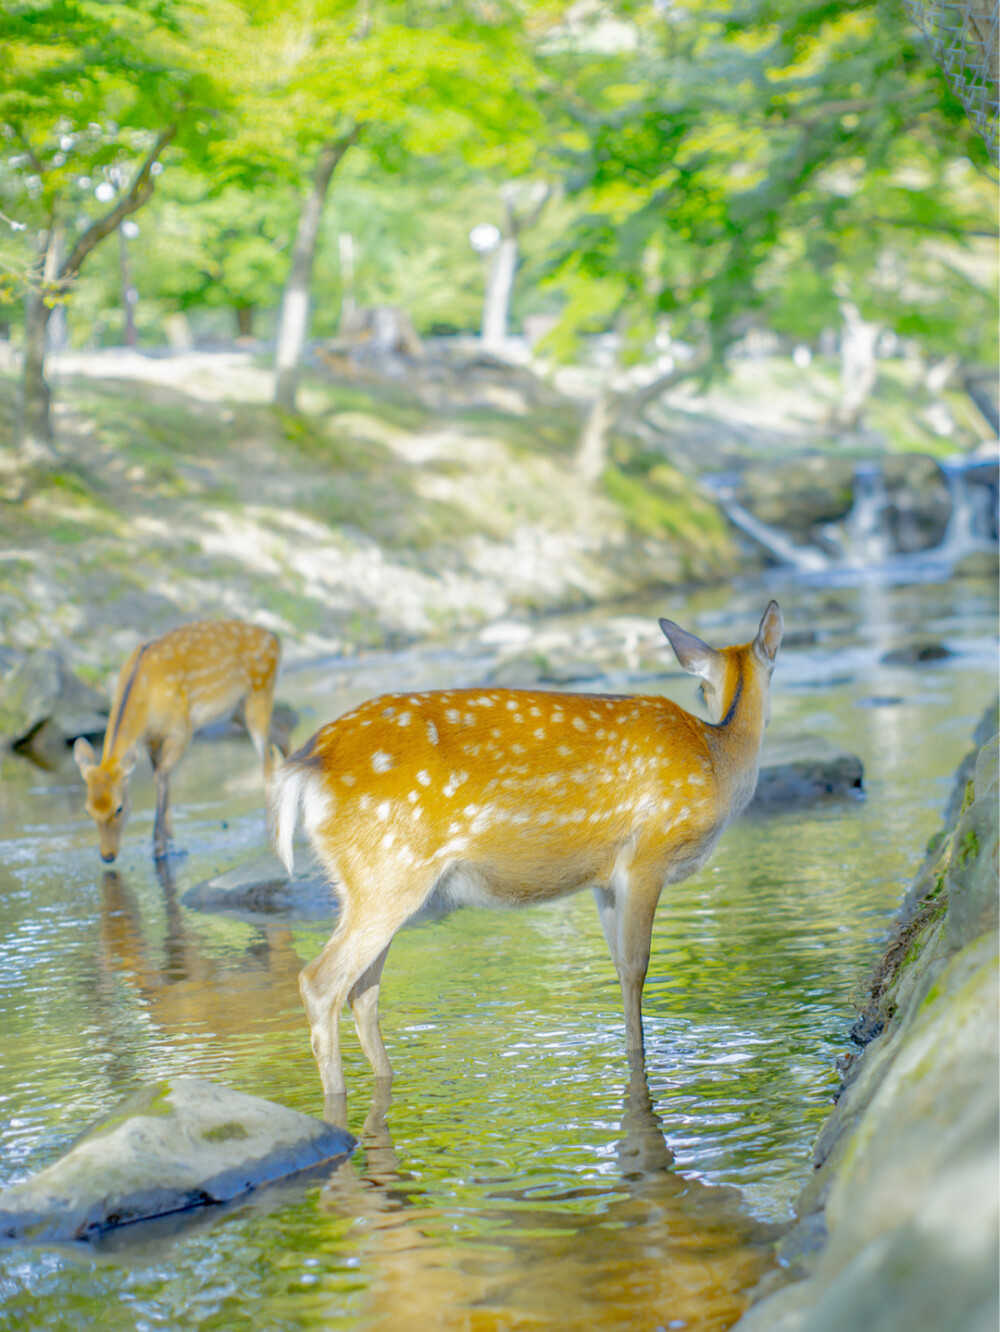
(800, 494)
(804, 770)
(262, 887)
(175, 1145)
(919, 504)
(41, 691)
(916, 654)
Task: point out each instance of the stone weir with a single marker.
(898, 1228)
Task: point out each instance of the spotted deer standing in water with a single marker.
(167, 689)
(500, 797)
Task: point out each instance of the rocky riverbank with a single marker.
(898, 1228)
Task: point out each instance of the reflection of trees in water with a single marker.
(647, 1248)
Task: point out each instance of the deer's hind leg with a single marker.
(257, 708)
(350, 967)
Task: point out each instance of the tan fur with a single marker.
(506, 797)
(167, 690)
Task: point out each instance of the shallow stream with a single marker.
(519, 1178)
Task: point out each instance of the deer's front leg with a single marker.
(165, 754)
(635, 908)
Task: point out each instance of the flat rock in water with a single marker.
(803, 771)
(262, 887)
(175, 1145)
(915, 654)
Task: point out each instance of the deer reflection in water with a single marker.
(649, 1247)
(188, 990)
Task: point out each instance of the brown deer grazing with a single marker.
(167, 689)
(501, 797)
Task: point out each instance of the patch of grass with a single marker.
(657, 501)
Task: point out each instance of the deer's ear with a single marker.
(769, 635)
(695, 657)
(84, 754)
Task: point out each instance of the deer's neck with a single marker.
(735, 742)
(127, 722)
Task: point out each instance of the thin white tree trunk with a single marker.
(858, 367)
(499, 289)
(293, 321)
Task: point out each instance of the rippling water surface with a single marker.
(521, 1177)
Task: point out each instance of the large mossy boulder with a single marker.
(899, 1227)
(175, 1145)
(42, 703)
(918, 503)
(799, 495)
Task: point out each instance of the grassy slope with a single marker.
(364, 520)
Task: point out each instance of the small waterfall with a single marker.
(866, 536)
(973, 521)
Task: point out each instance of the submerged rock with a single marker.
(43, 703)
(174, 1145)
(262, 887)
(804, 770)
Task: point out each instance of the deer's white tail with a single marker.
(297, 792)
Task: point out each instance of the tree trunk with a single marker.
(34, 422)
(611, 406)
(499, 288)
(858, 367)
(244, 321)
(592, 452)
(293, 321)
(128, 292)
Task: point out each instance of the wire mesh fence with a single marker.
(963, 38)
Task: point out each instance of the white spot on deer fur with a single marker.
(381, 761)
(453, 715)
(579, 723)
(539, 733)
(511, 704)
(383, 809)
(412, 797)
(485, 700)
(388, 840)
(348, 778)
(517, 749)
(432, 733)
(404, 719)
(365, 802)
(389, 712)
(564, 751)
(424, 777)
(454, 782)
